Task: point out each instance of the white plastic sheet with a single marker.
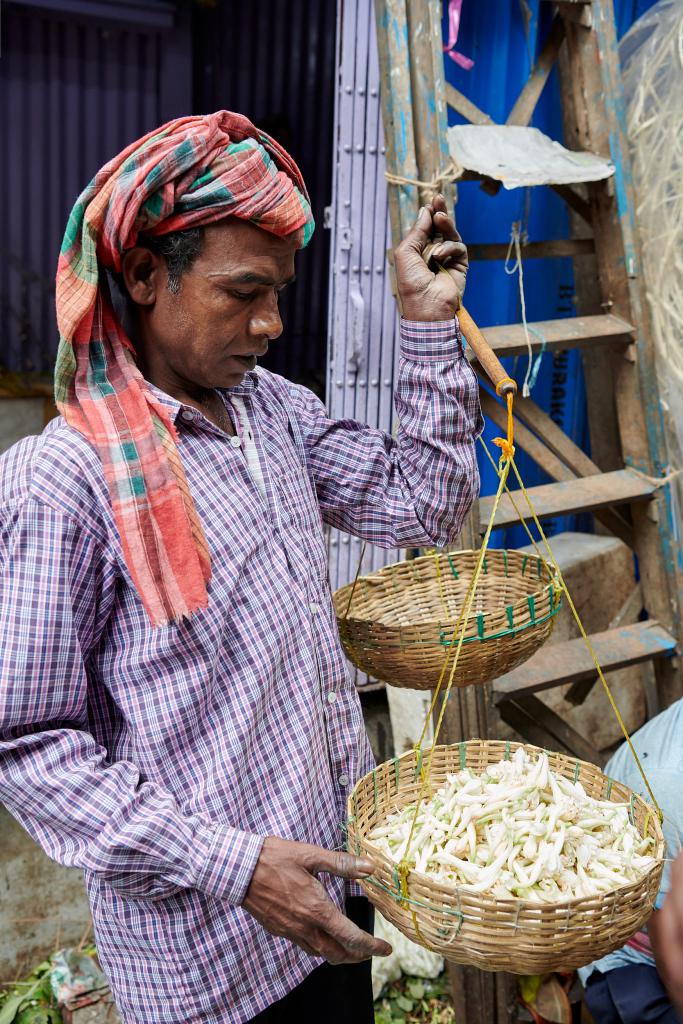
(522, 156)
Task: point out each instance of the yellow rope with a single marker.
(506, 461)
(405, 866)
(587, 642)
(575, 613)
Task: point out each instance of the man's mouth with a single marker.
(247, 361)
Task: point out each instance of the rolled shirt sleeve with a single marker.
(418, 487)
(58, 782)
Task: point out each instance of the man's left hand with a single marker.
(426, 293)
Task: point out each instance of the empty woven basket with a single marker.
(477, 928)
(399, 625)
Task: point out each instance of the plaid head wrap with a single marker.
(191, 171)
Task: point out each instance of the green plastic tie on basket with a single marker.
(525, 562)
(577, 769)
(374, 786)
(532, 608)
(510, 612)
(418, 763)
(453, 569)
(463, 754)
(410, 900)
(481, 629)
(506, 755)
(397, 772)
(609, 788)
(505, 561)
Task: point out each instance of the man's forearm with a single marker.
(103, 819)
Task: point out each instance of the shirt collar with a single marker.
(247, 387)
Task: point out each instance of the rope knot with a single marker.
(507, 449)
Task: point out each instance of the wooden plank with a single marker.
(396, 95)
(572, 456)
(555, 438)
(575, 201)
(570, 661)
(535, 721)
(592, 70)
(530, 443)
(629, 612)
(524, 106)
(567, 333)
(470, 111)
(583, 494)
(550, 249)
(544, 457)
(427, 82)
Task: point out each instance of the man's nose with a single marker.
(266, 322)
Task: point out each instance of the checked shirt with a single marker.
(157, 759)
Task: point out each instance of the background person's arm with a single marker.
(665, 929)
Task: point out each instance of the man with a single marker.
(176, 716)
(624, 987)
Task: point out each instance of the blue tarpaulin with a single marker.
(503, 39)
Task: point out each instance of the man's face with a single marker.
(225, 313)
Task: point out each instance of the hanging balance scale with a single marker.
(461, 618)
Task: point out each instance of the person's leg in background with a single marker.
(629, 995)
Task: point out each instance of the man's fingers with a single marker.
(445, 251)
(336, 862)
(360, 944)
(438, 203)
(444, 225)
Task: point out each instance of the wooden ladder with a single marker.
(618, 483)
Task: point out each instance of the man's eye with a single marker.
(243, 296)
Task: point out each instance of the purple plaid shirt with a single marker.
(157, 759)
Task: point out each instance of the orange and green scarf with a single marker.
(189, 172)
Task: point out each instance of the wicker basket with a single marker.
(479, 929)
(399, 627)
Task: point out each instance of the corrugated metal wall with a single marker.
(74, 90)
(275, 62)
(363, 318)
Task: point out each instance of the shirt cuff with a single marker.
(437, 341)
(228, 859)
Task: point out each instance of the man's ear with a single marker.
(143, 273)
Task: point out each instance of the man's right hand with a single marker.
(286, 897)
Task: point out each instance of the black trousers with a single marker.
(334, 993)
(629, 995)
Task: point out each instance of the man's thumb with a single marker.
(336, 862)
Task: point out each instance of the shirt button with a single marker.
(235, 441)
(314, 608)
(187, 415)
(343, 780)
(331, 697)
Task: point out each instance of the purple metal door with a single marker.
(363, 322)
